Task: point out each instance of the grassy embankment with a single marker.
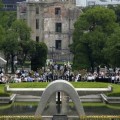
(2, 93)
(115, 92)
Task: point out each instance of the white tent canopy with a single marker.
(2, 61)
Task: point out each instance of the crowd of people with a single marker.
(47, 74)
(3, 78)
(54, 72)
(110, 75)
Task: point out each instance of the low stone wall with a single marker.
(28, 98)
(88, 98)
(7, 99)
(39, 91)
(34, 94)
(110, 100)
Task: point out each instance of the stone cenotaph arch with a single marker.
(59, 86)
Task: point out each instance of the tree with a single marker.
(25, 48)
(1, 4)
(10, 47)
(116, 9)
(39, 56)
(21, 34)
(7, 18)
(2, 35)
(20, 27)
(112, 49)
(90, 35)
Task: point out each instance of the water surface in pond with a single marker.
(29, 109)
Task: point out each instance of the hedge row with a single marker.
(39, 118)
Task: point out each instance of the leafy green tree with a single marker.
(116, 9)
(20, 27)
(25, 48)
(10, 24)
(1, 4)
(10, 47)
(112, 49)
(39, 56)
(90, 35)
(7, 18)
(2, 35)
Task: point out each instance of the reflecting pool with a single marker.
(30, 108)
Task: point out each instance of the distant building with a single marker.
(10, 5)
(51, 22)
(85, 3)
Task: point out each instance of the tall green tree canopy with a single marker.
(2, 33)
(23, 31)
(1, 4)
(15, 40)
(10, 47)
(112, 49)
(116, 9)
(7, 18)
(90, 35)
(38, 56)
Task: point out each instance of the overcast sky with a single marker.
(81, 2)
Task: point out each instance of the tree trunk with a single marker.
(6, 66)
(24, 59)
(90, 58)
(12, 63)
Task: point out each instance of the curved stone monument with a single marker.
(59, 86)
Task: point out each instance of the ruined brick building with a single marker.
(51, 22)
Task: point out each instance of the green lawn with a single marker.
(44, 84)
(1, 88)
(116, 87)
(2, 93)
